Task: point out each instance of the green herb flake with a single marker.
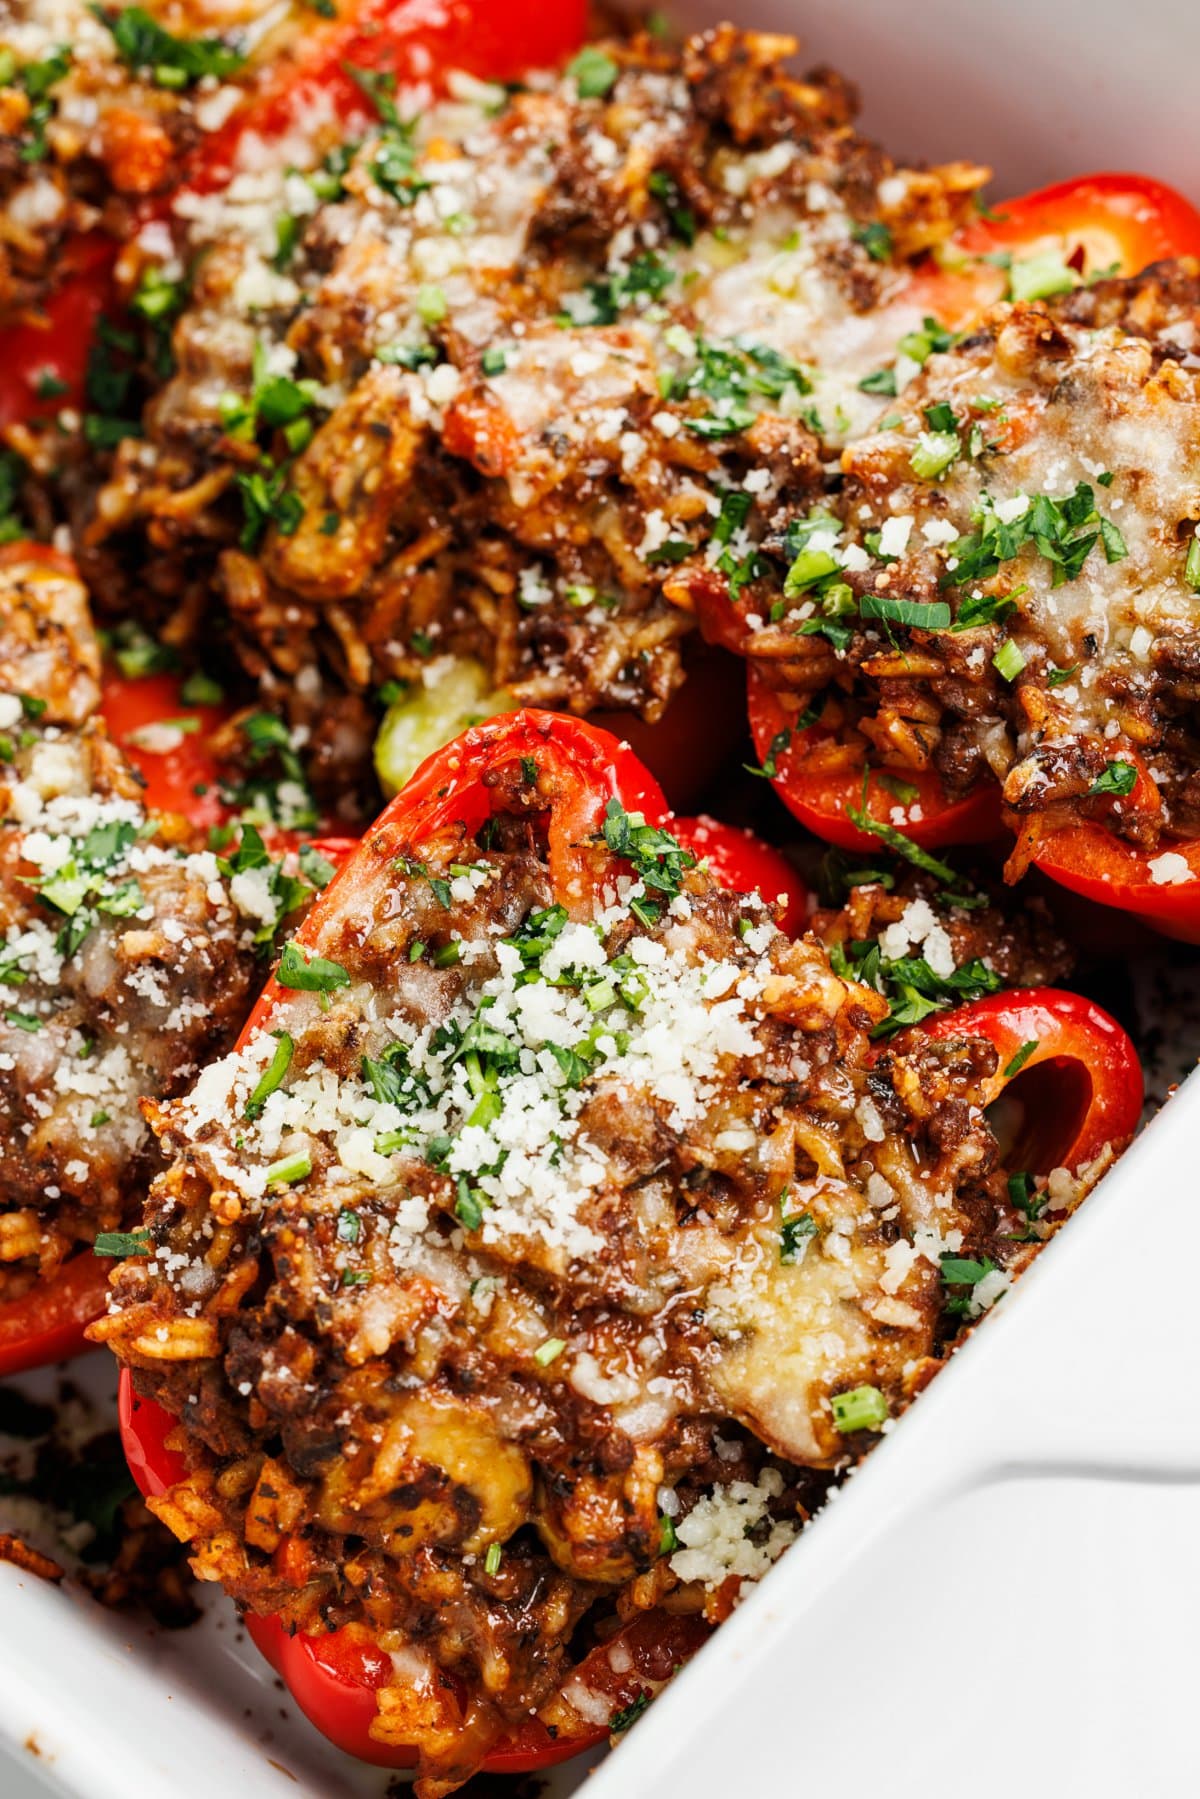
(862, 1408)
(1118, 778)
(305, 975)
(1191, 565)
(122, 1243)
(875, 239)
(272, 1076)
(1038, 277)
(935, 452)
(629, 1714)
(290, 1170)
(1022, 1056)
(1008, 660)
(794, 1233)
(593, 72)
(927, 615)
(171, 62)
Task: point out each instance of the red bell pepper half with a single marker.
(743, 863)
(580, 768)
(1112, 223)
(47, 1323)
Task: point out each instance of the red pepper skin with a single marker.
(743, 863)
(173, 780)
(820, 796)
(56, 342)
(1120, 222)
(699, 734)
(416, 40)
(1090, 861)
(1090, 1089)
(449, 789)
(47, 1323)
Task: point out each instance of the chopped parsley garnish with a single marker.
(682, 219)
(963, 1271)
(629, 1714)
(109, 386)
(1022, 1056)
(275, 403)
(730, 376)
(794, 1233)
(920, 345)
(875, 239)
(1063, 531)
(904, 846)
(171, 62)
(273, 1075)
(315, 975)
(862, 1408)
(593, 72)
(267, 500)
(1117, 777)
(122, 1243)
(602, 302)
(659, 859)
(37, 79)
(927, 615)
(12, 470)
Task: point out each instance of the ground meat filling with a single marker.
(516, 353)
(901, 933)
(523, 1269)
(1036, 493)
(126, 962)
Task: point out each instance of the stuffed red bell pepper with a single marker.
(991, 624)
(527, 1075)
(128, 950)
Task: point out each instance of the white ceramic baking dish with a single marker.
(1005, 1596)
